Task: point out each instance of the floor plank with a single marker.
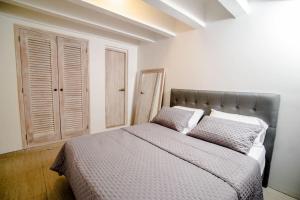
(26, 175)
(57, 186)
(271, 194)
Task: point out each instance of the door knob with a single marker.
(142, 92)
(61, 89)
(55, 89)
(122, 89)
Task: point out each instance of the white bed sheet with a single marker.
(258, 153)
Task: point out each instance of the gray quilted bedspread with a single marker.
(151, 162)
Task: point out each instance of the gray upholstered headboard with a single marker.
(264, 106)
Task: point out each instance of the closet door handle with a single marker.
(61, 89)
(55, 89)
(122, 90)
(142, 92)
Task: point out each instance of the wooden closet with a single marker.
(53, 85)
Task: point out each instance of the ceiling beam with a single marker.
(34, 19)
(77, 19)
(178, 12)
(126, 16)
(236, 7)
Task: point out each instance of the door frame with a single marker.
(125, 51)
(17, 31)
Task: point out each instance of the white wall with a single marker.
(255, 53)
(10, 135)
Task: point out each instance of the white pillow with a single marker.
(259, 140)
(198, 113)
(245, 119)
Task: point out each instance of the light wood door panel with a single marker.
(146, 97)
(73, 91)
(149, 95)
(52, 71)
(39, 79)
(116, 88)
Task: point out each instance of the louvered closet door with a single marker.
(72, 61)
(40, 79)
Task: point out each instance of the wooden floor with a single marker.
(26, 175)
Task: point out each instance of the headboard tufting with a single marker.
(264, 106)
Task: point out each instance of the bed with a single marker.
(150, 161)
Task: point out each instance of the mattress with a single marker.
(258, 153)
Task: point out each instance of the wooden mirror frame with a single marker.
(137, 102)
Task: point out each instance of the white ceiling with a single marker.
(131, 20)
